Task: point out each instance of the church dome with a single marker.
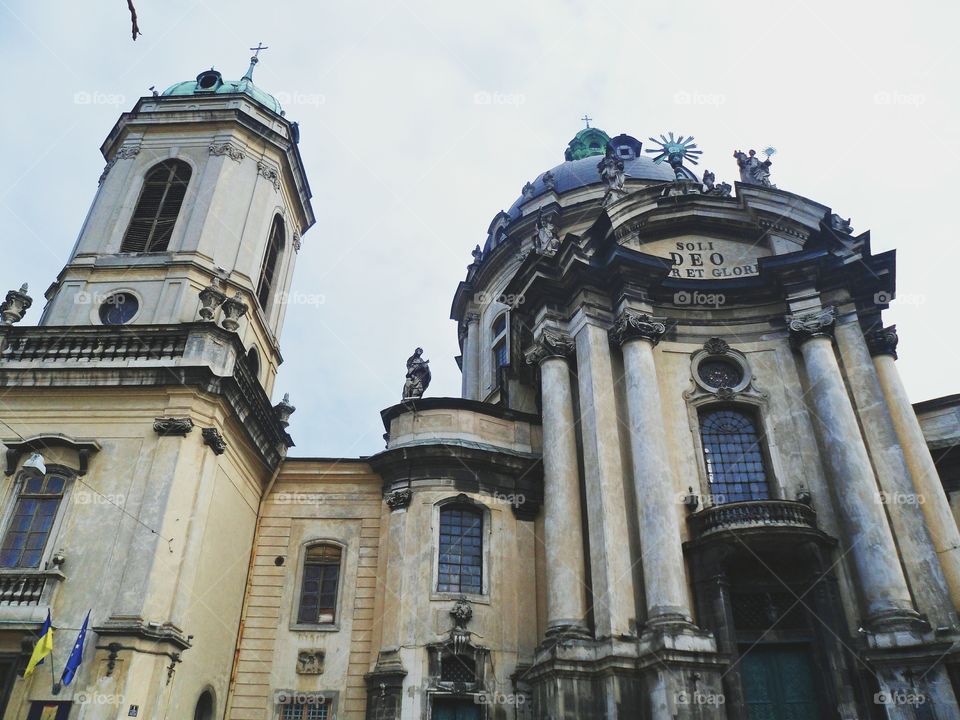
(210, 82)
(580, 167)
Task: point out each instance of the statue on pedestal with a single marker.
(418, 376)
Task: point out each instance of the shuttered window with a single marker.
(158, 207)
(318, 594)
(268, 271)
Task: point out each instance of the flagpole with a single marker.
(53, 676)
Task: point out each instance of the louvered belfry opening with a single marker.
(158, 207)
(268, 270)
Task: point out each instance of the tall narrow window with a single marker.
(158, 207)
(501, 351)
(271, 264)
(734, 457)
(36, 508)
(461, 551)
(318, 592)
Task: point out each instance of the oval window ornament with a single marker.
(119, 308)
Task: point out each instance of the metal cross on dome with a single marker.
(586, 118)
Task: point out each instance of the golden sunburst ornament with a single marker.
(675, 151)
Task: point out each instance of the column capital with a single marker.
(883, 341)
(633, 325)
(550, 344)
(471, 317)
(810, 324)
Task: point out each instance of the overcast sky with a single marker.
(420, 120)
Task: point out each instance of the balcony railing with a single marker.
(22, 588)
(135, 342)
(753, 514)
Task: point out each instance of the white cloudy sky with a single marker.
(407, 168)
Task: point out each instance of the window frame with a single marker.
(495, 340)
(11, 501)
(754, 414)
(305, 547)
(486, 534)
(148, 245)
(330, 697)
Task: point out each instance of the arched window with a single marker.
(734, 457)
(34, 513)
(271, 263)
(158, 207)
(318, 590)
(253, 362)
(204, 709)
(460, 559)
(501, 349)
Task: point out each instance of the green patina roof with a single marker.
(587, 142)
(209, 82)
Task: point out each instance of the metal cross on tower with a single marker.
(260, 46)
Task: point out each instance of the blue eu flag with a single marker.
(76, 655)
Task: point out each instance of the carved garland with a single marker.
(215, 440)
(172, 426)
(267, 172)
(234, 153)
(124, 153)
(399, 499)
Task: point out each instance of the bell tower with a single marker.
(145, 388)
(204, 187)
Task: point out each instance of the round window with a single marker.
(119, 309)
(720, 373)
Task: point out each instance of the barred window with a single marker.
(734, 458)
(313, 709)
(461, 550)
(318, 592)
(157, 209)
(33, 515)
(271, 265)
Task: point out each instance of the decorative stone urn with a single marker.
(283, 410)
(211, 297)
(233, 309)
(15, 306)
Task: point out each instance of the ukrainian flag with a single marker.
(43, 647)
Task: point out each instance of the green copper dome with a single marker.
(210, 82)
(587, 142)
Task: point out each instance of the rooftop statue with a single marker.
(675, 151)
(611, 171)
(753, 170)
(418, 376)
(711, 187)
(547, 239)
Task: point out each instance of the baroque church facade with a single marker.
(683, 478)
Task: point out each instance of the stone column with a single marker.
(883, 587)
(611, 573)
(898, 493)
(664, 579)
(471, 358)
(936, 507)
(562, 522)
